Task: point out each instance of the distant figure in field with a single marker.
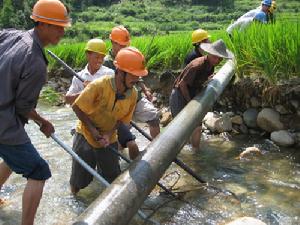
(263, 14)
(198, 36)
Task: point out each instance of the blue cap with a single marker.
(267, 2)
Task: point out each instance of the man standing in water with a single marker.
(145, 111)
(193, 78)
(23, 69)
(101, 107)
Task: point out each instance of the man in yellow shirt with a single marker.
(100, 107)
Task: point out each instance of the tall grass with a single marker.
(271, 50)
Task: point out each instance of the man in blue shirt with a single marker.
(262, 15)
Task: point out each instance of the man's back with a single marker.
(23, 72)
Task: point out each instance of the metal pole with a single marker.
(176, 160)
(89, 169)
(69, 69)
(119, 203)
(129, 161)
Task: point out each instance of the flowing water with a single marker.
(267, 186)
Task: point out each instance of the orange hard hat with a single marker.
(120, 35)
(131, 60)
(51, 12)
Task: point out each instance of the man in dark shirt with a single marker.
(23, 70)
(198, 36)
(193, 78)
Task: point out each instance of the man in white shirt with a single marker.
(95, 53)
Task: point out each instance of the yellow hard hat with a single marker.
(96, 45)
(51, 12)
(273, 7)
(199, 35)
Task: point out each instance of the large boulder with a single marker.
(269, 120)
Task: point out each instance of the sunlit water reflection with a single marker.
(267, 186)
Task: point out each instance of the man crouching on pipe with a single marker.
(99, 107)
(194, 77)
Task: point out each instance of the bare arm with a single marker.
(45, 126)
(102, 139)
(70, 98)
(146, 91)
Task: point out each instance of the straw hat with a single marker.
(218, 48)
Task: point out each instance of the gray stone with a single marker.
(269, 120)
(216, 122)
(282, 138)
(250, 117)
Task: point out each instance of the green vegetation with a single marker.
(50, 96)
(95, 18)
(272, 50)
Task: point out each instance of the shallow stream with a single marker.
(267, 186)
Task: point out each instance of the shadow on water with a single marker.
(268, 186)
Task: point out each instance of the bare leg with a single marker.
(5, 172)
(31, 200)
(133, 149)
(74, 190)
(196, 136)
(154, 130)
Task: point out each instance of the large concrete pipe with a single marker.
(120, 202)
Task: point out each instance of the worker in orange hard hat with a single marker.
(145, 111)
(114, 97)
(23, 69)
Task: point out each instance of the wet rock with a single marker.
(282, 138)
(166, 119)
(250, 117)
(246, 221)
(216, 122)
(237, 120)
(269, 120)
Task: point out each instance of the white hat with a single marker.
(218, 48)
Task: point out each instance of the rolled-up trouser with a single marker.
(176, 102)
(107, 162)
(124, 135)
